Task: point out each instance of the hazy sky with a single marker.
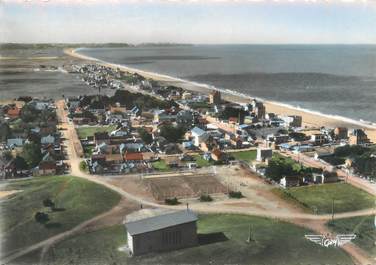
(268, 21)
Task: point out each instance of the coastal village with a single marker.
(179, 148)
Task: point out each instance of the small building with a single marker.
(358, 137)
(198, 135)
(263, 154)
(340, 133)
(290, 181)
(217, 155)
(215, 97)
(47, 168)
(160, 230)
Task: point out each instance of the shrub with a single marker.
(41, 217)
(173, 201)
(49, 203)
(235, 194)
(206, 198)
(83, 166)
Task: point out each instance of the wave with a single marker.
(360, 123)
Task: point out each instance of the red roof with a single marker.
(14, 112)
(46, 165)
(133, 156)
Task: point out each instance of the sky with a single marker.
(191, 21)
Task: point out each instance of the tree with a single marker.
(5, 132)
(83, 166)
(41, 217)
(49, 203)
(32, 154)
(7, 155)
(171, 133)
(145, 136)
(20, 163)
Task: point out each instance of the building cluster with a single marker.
(30, 143)
(98, 76)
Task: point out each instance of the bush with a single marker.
(206, 198)
(49, 203)
(173, 201)
(41, 217)
(83, 166)
(235, 194)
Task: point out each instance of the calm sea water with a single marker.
(332, 79)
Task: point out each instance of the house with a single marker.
(263, 154)
(47, 168)
(340, 133)
(198, 136)
(160, 230)
(13, 112)
(7, 169)
(215, 97)
(290, 181)
(318, 138)
(217, 155)
(49, 139)
(133, 157)
(15, 142)
(358, 137)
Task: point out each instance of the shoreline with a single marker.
(311, 118)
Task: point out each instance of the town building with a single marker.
(341, 133)
(215, 97)
(357, 137)
(154, 230)
(263, 154)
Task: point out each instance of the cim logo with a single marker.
(327, 241)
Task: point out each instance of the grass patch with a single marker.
(86, 131)
(160, 165)
(346, 197)
(201, 162)
(276, 242)
(244, 155)
(363, 227)
(77, 200)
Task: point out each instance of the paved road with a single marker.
(313, 222)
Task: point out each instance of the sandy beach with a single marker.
(310, 118)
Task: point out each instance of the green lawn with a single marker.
(244, 155)
(363, 227)
(78, 200)
(346, 197)
(201, 162)
(160, 165)
(276, 242)
(86, 131)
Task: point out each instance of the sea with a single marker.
(337, 80)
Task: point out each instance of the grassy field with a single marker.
(275, 242)
(86, 131)
(244, 155)
(160, 165)
(363, 227)
(76, 199)
(346, 197)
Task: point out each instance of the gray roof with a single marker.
(161, 221)
(198, 131)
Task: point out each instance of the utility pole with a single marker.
(250, 238)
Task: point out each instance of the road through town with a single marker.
(311, 221)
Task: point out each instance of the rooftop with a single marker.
(160, 221)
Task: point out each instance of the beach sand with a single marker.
(310, 119)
